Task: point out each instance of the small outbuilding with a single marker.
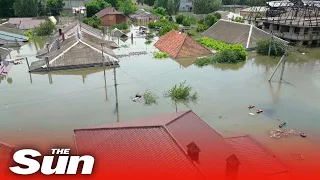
(143, 16)
(110, 16)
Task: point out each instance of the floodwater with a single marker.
(42, 109)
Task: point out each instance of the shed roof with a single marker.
(151, 145)
(17, 21)
(245, 34)
(107, 11)
(180, 45)
(141, 13)
(31, 24)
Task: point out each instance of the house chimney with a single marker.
(232, 167)
(193, 151)
(60, 32)
(58, 44)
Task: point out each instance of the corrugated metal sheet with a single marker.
(257, 157)
(12, 37)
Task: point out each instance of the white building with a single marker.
(185, 5)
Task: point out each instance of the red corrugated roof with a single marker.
(160, 138)
(258, 159)
(6, 152)
(107, 11)
(180, 45)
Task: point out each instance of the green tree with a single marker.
(127, 6)
(55, 6)
(173, 6)
(95, 6)
(41, 8)
(6, 9)
(149, 2)
(206, 6)
(44, 29)
(181, 94)
(25, 8)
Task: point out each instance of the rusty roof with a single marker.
(107, 11)
(180, 45)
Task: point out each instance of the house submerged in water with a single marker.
(76, 46)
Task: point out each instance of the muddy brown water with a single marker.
(40, 109)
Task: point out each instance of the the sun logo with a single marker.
(65, 164)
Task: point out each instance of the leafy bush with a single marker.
(263, 47)
(165, 26)
(217, 15)
(29, 33)
(191, 33)
(160, 55)
(210, 20)
(44, 29)
(189, 20)
(227, 53)
(201, 27)
(179, 18)
(148, 41)
(150, 98)
(238, 19)
(127, 7)
(121, 26)
(93, 21)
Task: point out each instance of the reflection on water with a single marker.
(225, 67)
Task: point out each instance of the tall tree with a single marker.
(95, 6)
(6, 9)
(173, 6)
(55, 6)
(25, 8)
(206, 6)
(127, 7)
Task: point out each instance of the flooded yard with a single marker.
(42, 108)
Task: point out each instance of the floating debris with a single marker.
(251, 114)
(282, 133)
(251, 106)
(303, 135)
(259, 111)
(132, 54)
(281, 125)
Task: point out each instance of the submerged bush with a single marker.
(164, 25)
(29, 33)
(44, 29)
(160, 55)
(150, 98)
(93, 21)
(148, 41)
(189, 20)
(277, 49)
(179, 18)
(121, 26)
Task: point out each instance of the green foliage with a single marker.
(201, 27)
(217, 15)
(179, 18)
(25, 8)
(29, 33)
(238, 19)
(121, 26)
(54, 6)
(191, 33)
(148, 41)
(160, 11)
(173, 6)
(44, 29)
(127, 7)
(150, 98)
(227, 53)
(149, 2)
(165, 26)
(94, 22)
(66, 14)
(189, 20)
(277, 47)
(181, 93)
(206, 6)
(160, 55)
(95, 6)
(6, 9)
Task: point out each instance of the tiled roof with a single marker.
(6, 152)
(258, 159)
(107, 11)
(18, 20)
(151, 138)
(180, 45)
(31, 24)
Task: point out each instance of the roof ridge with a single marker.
(123, 127)
(184, 152)
(186, 112)
(184, 40)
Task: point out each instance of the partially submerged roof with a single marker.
(141, 13)
(6, 153)
(180, 45)
(255, 9)
(107, 11)
(237, 33)
(12, 37)
(78, 51)
(118, 33)
(25, 23)
(160, 144)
